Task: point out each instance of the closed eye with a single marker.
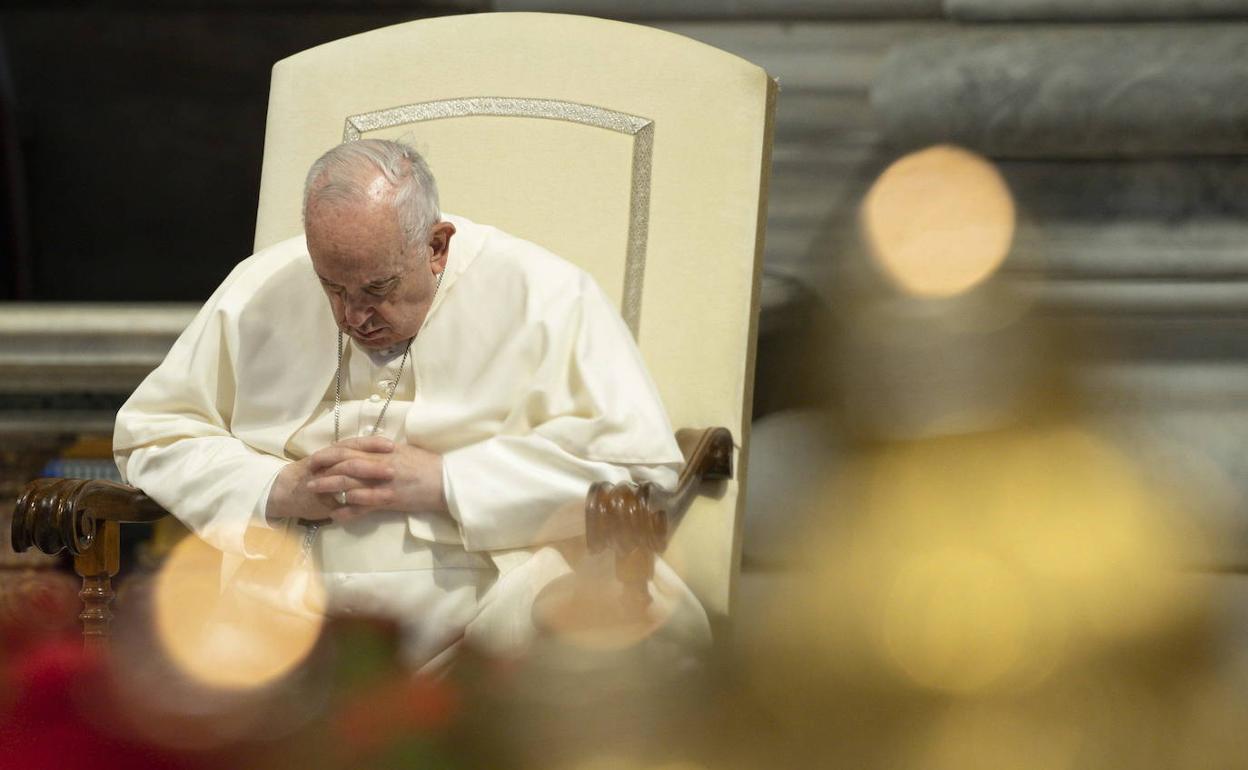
(381, 289)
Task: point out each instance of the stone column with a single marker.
(1154, 222)
(1092, 92)
(1093, 10)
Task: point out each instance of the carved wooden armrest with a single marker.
(634, 520)
(83, 517)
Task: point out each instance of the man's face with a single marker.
(380, 288)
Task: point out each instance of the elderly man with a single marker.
(431, 428)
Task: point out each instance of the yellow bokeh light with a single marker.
(986, 563)
(956, 619)
(251, 631)
(613, 762)
(939, 221)
(606, 762)
(980, 738)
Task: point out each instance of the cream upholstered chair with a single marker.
(638, 154)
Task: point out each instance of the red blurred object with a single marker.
(46, 722)
(394, 710)
(37, 605)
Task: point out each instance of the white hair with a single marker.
(343, 175)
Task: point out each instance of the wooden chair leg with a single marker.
(97, 565)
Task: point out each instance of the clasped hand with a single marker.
(374, 472)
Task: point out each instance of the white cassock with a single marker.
(524, 378)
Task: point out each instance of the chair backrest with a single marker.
(638, 154)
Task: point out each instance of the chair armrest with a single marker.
(84, 517)
(54, 515)
(635, 520)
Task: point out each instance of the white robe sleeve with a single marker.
(172, 437)
(591, 413)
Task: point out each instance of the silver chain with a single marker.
(394, 385)
(312, 526)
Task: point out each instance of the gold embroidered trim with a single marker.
(641, 129)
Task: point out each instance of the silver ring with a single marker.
(341, 496)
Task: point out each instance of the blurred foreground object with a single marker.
(1012, 597)
(251, 631)
(941, 347)
(985, 580)
(939, 221)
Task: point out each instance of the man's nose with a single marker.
(355, 313)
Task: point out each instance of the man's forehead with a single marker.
(362, 263)
(356, 244)
(353, 219)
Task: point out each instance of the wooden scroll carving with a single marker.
(634, 520)
(84, 518)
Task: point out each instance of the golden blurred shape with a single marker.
(247, 633)
(606, 762)
(939, 221)
(613, 762)
(984, 563)
(956, 619)
(989, 738)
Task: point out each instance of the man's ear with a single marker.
(440, 244)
